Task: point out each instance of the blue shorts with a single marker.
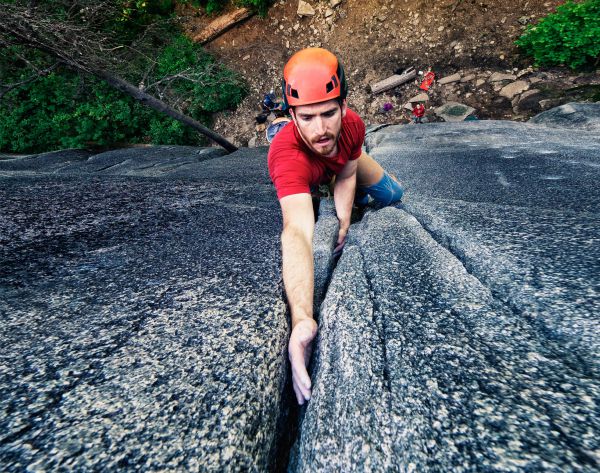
(385, 192)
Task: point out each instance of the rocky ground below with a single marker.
(468, 44)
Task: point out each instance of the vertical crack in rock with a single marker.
(324, 241)
(348, 339)
(378, 321)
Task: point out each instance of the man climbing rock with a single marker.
(323, 142)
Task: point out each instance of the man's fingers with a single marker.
(339, 248)
(299, 396)
(300, 374)
(302, 394)
(299, 349)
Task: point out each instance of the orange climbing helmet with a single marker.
(313, 75)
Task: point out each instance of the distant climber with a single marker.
(322, 143)
(418, 112)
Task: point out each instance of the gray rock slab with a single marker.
(583, 116)
(449, 79)
(152, 161)
(518, 204)
(460, 332)
(420, 367)
(43, 163)
(142, 319)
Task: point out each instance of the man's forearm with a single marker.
(298, 273)
(343, 196)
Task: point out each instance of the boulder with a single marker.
(529, 101)
(422, 97)
(335, 3)
(498, 76)
(305, 9)
(549, 103)
(454, 111)
(514, 88)
(449, 79)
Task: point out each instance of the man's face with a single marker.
(320, 124)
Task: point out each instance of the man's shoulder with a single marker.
(285, 138)
(352, 116)
(352, 121)
(285, 147)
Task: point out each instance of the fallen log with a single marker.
(394, 81)
(221, 24)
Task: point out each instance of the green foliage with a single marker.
(67, 110)
(570, 37)
(215, 88)
(61, 111)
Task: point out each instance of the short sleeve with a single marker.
(358, 138)
(290, 175)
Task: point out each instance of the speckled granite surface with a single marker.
(143, 325)
(142, 321)
(460, 331)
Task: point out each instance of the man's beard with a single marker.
(329, 149)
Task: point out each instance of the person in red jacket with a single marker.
(322, 142)
(418, 112)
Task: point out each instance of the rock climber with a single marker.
(322, 142)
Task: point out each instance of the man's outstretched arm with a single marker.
(298, 278)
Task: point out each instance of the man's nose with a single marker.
(319, 126)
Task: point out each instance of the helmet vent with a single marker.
(329, 87)
(294, 93)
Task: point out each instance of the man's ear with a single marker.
(293, 115)
(344, 107)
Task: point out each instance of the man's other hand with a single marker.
(299, 351)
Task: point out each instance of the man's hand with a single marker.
(299, 351)
(341, 241)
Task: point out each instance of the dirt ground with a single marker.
(373, 39)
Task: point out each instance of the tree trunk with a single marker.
(222, 24)
(161, 107)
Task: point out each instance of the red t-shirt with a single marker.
(294, 168)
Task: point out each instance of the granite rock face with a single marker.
(143, 323)
(144, 327)
(460, 331)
